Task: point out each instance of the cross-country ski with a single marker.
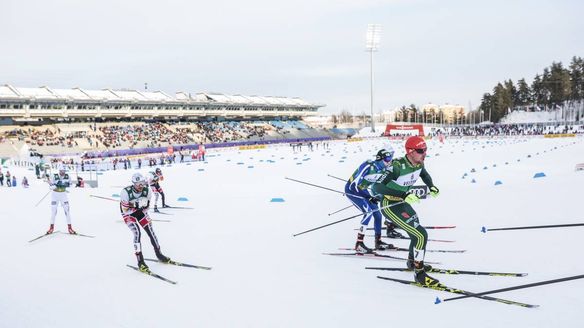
(171, 262)
(444, 288)
(455, 272)
(153, 275)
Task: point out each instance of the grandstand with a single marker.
(75, 121)
(44, 103)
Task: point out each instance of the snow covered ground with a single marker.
(264, 277)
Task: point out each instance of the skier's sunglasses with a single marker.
(421, 151)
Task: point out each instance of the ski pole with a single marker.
(351, 217)
(484, 229)
(334, 177)
(425, 227)
(547, 282)
(342, 209)
(106, 198)
(37, 204)
(321, 187)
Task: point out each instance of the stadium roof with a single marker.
(8, 92)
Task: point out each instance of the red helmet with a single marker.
(415, 142)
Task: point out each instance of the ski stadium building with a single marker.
(44, 103)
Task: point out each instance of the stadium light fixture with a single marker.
(372, 45)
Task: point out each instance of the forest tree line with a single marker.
(555, 86)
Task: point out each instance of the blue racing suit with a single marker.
(358, 192)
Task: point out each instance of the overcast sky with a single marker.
(431, 50)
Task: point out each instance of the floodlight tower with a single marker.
(372, 44)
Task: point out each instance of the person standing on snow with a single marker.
(134, 204)
(395, 188)
(8, 179)
(154, 182)
(202, 151)
(357, 190)
(58, 183)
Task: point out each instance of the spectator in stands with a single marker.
(8, 179)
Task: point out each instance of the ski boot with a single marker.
(156, 209)
(51, 229)
(141, 264)
(360, 245)
(70, 229)
(381, 245)
(421, 277)
(143, 267)
(162, 258)
(362, 249)
(410, 264)
(394, 234)
(165, 206)
(390, 231)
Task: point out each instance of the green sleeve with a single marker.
(426, 178)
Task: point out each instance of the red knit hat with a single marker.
(415, 142)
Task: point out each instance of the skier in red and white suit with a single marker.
(154, 179)
(134, 204)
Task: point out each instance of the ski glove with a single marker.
(142, 203)
(434, 192)
(411, 198)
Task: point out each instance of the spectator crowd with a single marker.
(508, 130)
